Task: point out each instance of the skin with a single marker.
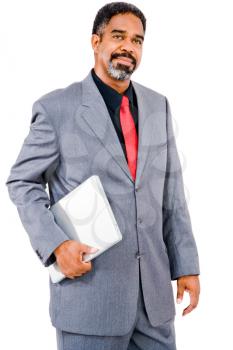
(122, 35)
(190, 284)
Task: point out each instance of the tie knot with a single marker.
(125, 101)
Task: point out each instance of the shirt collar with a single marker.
(112, 97)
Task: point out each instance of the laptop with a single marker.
(85, 215)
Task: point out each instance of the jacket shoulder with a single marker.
(59, 103)
(149, 92)
(60, 95)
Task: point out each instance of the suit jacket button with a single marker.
(138, 255)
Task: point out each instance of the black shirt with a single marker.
(112, 99)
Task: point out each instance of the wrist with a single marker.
(59, 248)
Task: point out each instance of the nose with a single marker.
(127, 45)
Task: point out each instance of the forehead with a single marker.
(127, 22)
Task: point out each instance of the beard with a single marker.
(121, 71)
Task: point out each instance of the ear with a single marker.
(95, 40)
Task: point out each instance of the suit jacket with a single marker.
(72, 137)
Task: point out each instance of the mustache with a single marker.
(126, 54)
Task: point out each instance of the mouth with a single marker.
(124, 60)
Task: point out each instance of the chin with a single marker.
(120, 72)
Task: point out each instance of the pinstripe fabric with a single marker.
(142, 336)
(72, 137)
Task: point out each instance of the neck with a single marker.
(118, 85)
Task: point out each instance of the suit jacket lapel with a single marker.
(96, 115)
(145, 131)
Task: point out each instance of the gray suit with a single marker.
(72, 137)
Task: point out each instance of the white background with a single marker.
(187, 57)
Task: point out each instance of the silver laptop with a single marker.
(85, 215)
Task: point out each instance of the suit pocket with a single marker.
(55, 299)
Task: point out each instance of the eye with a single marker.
(117, 36)
(138, 41)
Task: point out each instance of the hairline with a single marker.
(101, 28)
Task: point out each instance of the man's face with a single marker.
(118, 50)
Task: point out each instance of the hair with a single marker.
(106, 12)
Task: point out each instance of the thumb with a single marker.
(180, 293)
(87, 249)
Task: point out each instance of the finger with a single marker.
(180, 293)
(88, 249)
(192, 305)
(74, 276)
(80, 257)
(188, 309)
(70, 277)
(86, 266)
(194, 297)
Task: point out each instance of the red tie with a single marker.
(130, 135)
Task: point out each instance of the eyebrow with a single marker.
(124, 32)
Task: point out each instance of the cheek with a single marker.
(139, 56)
(105, 55)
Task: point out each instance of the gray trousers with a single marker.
(142, 336)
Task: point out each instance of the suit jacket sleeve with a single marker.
(177, 229)
(26, 183)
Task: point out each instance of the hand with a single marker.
(190, 284)
(69, 258)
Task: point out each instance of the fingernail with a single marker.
(93, 250)
(178, 301)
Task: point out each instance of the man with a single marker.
(122, 131)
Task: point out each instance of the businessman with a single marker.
(122, 131)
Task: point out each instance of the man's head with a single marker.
(117, 38)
